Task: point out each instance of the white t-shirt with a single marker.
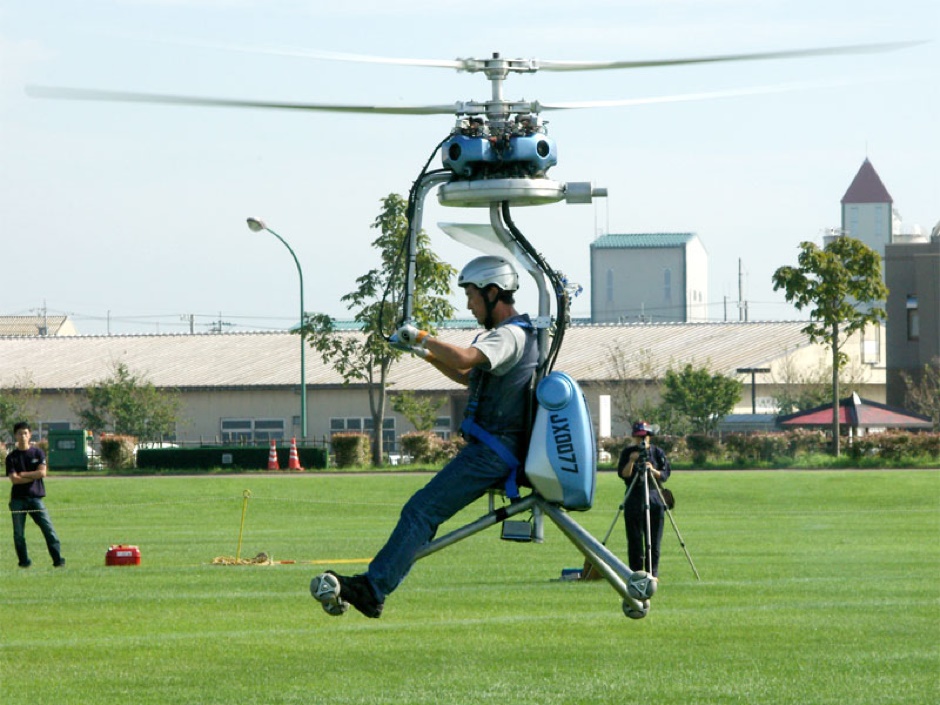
(503, 347)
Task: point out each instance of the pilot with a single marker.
(497, 367)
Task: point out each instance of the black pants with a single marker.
(635, 519)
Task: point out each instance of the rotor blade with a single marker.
(62, 93)
(688, 97)
(756, 56)
(323, 55)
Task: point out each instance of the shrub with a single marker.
(117, 452)
(350, 449)
(701, 447)
(806, 442)
(422, 446)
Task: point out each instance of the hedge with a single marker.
(240, 457)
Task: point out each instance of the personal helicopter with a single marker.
(498, 155)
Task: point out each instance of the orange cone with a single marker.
(293, 462)
(272, 457)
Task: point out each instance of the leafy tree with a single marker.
(128, 404)
(368, 358)
(923, 395)
(800, 389)
(701, 396)
(841, 285)
(420, 411)
(17, 404)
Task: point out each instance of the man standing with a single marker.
(498, 368)
(26, 468)
(634, 461)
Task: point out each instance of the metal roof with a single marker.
(32, 325)
(243, 360)
(625, 241)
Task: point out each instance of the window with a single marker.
(269, 429)
(913, 318)
(252, 430)
(236, 430)
(46, 426)
(442, 427)
(361, 424)
(853, 221)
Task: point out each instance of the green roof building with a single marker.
(649, 277)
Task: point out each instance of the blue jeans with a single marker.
(34, 507)
(463, 480)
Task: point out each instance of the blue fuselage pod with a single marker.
(521, 155)
(562, 461)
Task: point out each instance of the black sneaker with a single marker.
(356, 591)
(27, 564)
(59, 563)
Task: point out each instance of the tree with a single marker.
(922, 394)
(798, 389)
(367, 358)
(841, 285)
(633, 384)
(420, 411)
(17, 404)
(702, 396)
(128, 404)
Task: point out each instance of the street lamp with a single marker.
(256, 226)
(754, 371)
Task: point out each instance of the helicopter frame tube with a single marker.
(632, 586)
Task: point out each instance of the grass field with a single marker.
(817, 587)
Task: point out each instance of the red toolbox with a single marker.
(122, 555)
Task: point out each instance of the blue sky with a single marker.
(131, 218)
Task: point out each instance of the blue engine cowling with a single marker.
(562, 461)
(531, 155)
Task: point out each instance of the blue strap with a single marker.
(472, 428)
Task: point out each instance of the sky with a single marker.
(132, 218)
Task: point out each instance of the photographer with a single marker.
(634, 460)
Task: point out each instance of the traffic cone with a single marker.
(293, 463)
(272, 457)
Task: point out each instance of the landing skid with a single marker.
(635, 587)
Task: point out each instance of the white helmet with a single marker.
(486, 270)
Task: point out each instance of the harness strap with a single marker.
(471, 428)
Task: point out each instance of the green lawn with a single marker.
(817, 587)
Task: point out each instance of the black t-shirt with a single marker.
(657, 456)
(25, 461)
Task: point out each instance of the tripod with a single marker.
(647, 535)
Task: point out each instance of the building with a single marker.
(36, 325)
(868, 210)
(912, 274)
(244, 387)
(649, 277)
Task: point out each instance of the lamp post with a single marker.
(256, 226)
(754, 371)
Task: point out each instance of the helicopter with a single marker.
(498, 155)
